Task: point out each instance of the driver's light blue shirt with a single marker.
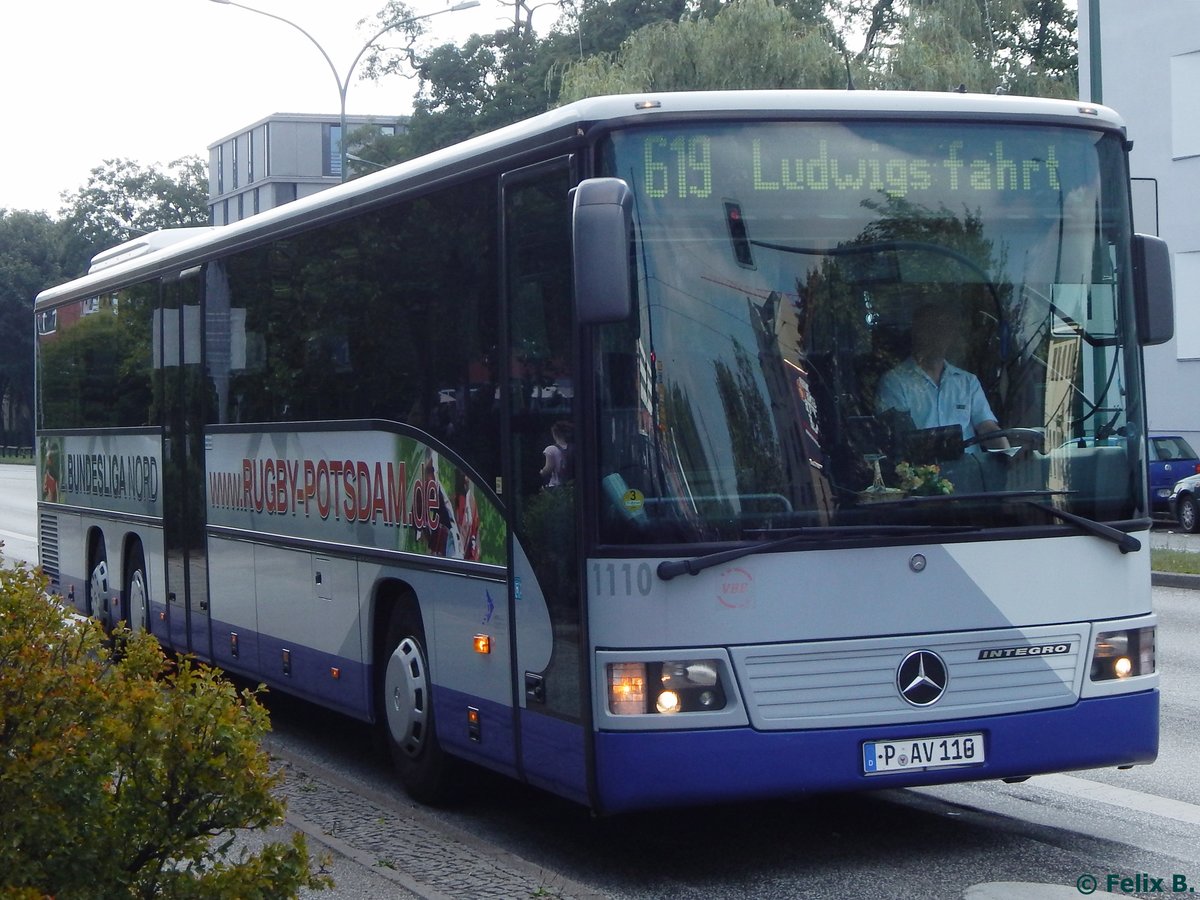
(958, 400)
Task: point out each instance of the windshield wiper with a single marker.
(668, 569)
(1126, 542)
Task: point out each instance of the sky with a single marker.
(83, 81)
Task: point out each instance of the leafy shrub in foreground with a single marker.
(123, 774)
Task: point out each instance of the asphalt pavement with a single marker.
(1169, 537)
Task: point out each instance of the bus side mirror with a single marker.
(1152, 292)
(601, 232)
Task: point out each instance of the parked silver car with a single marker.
(1183, 503)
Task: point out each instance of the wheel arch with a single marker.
(131, 543)
(95, 537)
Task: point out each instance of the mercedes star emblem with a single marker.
(922, 678)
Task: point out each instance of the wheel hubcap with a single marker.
(98, 586)
(406, 690)
(137, 601)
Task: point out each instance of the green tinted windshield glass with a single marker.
(835, 318)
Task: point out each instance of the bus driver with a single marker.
(933, 391)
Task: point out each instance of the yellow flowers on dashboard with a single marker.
(922, 479)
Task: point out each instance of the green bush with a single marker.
(125, 774)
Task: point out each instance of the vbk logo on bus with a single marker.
(736, 589)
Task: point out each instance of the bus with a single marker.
(310, 448)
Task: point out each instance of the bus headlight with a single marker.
(668, 687)
(1123, 654)
(667, 702)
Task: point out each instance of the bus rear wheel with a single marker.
(407, 717)
(137, 591)
(97, 586)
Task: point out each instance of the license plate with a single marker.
(917, 754)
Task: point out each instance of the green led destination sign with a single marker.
(682, 167)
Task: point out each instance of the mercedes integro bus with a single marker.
(309, 447)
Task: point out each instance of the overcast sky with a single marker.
(83, 81)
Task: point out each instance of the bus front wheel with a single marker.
(423, 766)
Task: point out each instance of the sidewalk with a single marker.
(383, 849)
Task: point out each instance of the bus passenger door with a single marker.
(183, 465)
(539, 481)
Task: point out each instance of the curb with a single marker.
(1175, 580)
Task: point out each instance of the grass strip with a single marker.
(1178, 562)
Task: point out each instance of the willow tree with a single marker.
(991, 46)
(1006, 46)
(747, 44)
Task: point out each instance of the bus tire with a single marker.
(97, 584)
(137, 590)
(407, 717)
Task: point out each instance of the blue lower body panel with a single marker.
(553, 749)
(640, 770)
(555, 759)
(492, 742)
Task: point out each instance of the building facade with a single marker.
(279, 159)
(1143, 59)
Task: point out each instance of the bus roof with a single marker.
(566, 126)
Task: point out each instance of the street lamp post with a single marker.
(343, 81)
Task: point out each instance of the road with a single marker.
(18, 512)
(1046, 838)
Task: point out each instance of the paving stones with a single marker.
(405, 848)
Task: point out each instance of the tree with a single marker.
(122, 774)
(603, 46)
(124, 198)
(747, 44)
(496, 79)
(1009, 46)
(31, 257)
(601, 27)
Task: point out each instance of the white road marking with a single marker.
(1188, 813)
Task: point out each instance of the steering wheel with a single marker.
(1026, 436)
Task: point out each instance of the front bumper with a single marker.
(639, 770)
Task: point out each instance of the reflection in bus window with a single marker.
(347, 322)
(781, 267)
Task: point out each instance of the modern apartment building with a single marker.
(279, 159)
(1143, 59)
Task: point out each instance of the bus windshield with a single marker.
(869, 324)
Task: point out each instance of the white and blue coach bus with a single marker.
(309, 447)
